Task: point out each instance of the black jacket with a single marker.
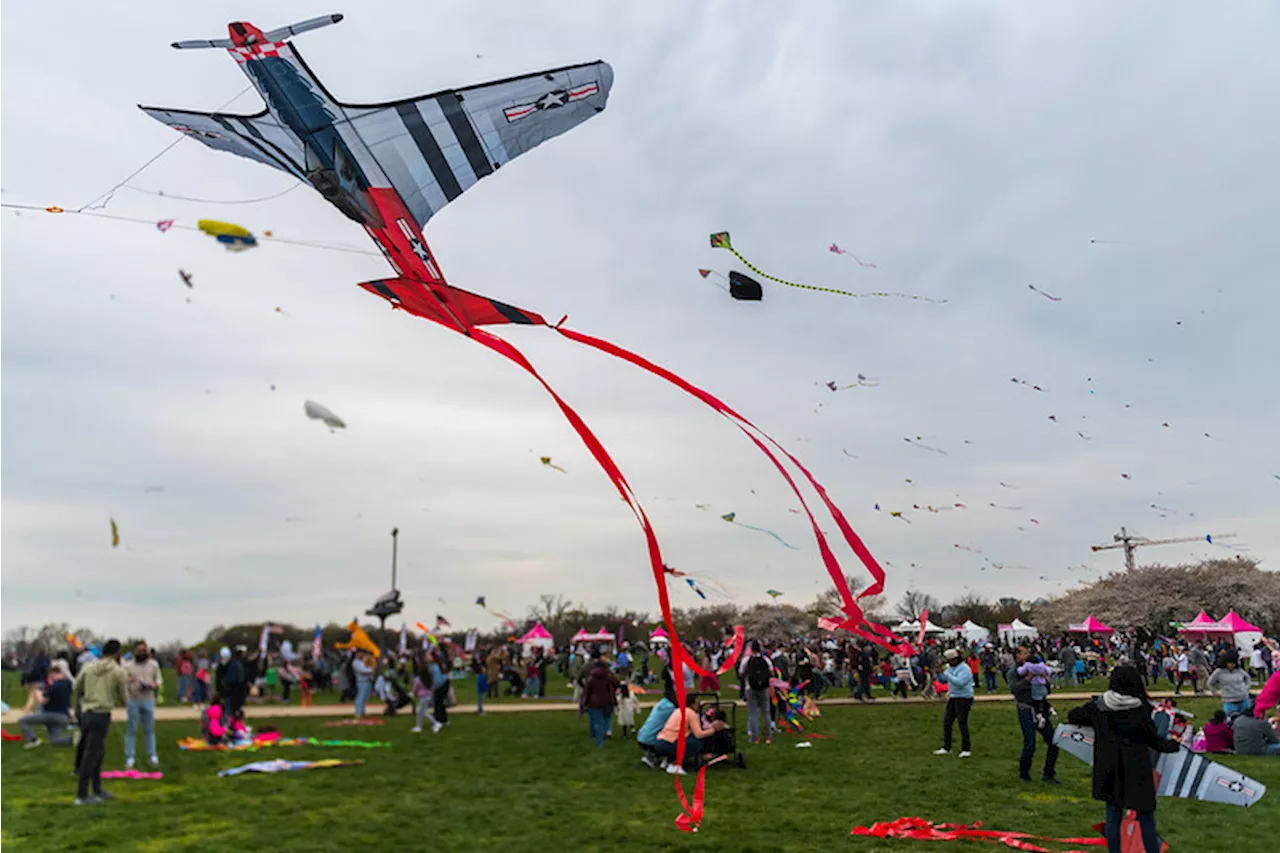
(1123, 739)
(758, 672)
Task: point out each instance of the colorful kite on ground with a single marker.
(282, 766)
(382, 167)
(720, 240)
(136, 775)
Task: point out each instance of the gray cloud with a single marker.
(967, 151)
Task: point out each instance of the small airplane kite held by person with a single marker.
(390, 167)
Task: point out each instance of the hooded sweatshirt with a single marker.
(1233, 684)
(101, 685)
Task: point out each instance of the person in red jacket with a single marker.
(1218, 734)
(599, 696)
(1269, 697)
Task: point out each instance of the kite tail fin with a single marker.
(854, 620)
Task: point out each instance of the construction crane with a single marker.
(1130, 543)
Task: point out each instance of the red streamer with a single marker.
(923, 830)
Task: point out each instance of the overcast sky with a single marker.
(968, 150)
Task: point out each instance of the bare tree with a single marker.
(913, 602)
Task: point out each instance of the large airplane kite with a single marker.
(392, 166)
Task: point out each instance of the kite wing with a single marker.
(433, 148)
(258, 137)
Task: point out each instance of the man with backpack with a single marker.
(756, 674)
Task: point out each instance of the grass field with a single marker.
(509, 780)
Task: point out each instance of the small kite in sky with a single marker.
(737, 285)
(898, 514)
(693, 586)
(836, 250)
(1025, 382)
(971, 550)
(731, 517)
(720, 240)
(1048, 296)
(772, 593)
(546, 460)
(1126, 476)
(236, 238)
(863, 382)
(1082, 435)
(998, 506)
(164, 225)
(115, 534)
(916, 442)
(317, 412)
(186, 278)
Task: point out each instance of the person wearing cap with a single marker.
(959, 679)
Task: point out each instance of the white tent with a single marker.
(912, 628)
(972, 632)
(1017, 631)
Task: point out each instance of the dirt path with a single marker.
(266, 712)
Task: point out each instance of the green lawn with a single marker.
(508, 780)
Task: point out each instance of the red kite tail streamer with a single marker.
(922, 830)
(759, 437)
(680, 657)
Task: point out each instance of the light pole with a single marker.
(395, 533)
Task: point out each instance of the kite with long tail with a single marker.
(385, 167)
(720, 240)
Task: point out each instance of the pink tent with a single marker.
(1237, 624)
(580, 636)
(659, 635)
(538, 633)
(1090, 625)
(1204, 624)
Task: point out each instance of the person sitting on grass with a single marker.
(647, 737)
(211, 723)
(1124, 735)
(55, 714)
(690, 721)
(1255, 736)
(1218, 736)
(1233, 684)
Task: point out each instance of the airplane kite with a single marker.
(390, 167)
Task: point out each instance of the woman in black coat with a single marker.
(1124, 736)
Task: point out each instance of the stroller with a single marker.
(726, 742)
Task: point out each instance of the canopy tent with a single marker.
(1203, 625)
(601, 636)
(972, 632)
(659, 635)
(1090, 625)
(537, 637)
(1017, 631)
(912, 628)
(1246, 634)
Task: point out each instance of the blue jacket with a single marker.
(959, 680)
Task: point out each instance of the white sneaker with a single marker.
(154, 761)
(32, 744)
(942, 752)
(965, 754)
(416, 730)
(128, 764)
(648, 759)
(675, 770)
(436, 727)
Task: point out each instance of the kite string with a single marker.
(163, 194)
(106, 197)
